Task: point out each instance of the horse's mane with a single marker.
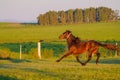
(77, 40)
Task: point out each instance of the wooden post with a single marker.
(39, 50)
(116, 50)
(20, 51)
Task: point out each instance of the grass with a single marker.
(67, 69)
(34, 33)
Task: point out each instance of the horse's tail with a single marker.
(108, 46)
(111, 47)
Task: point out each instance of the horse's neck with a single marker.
(70, 41)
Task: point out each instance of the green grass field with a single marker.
(34, 33)
(68, 69)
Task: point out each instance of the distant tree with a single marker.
(78, 16)
(88, 15)
(92, 14)
(48, 18)
(69, 16)
(62, 17)
(53, 17)
(97, 15)
(114, 15)
(38, 18)
(41, 19)
(105, 14)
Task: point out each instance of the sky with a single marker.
(28, 10)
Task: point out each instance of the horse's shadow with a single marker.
(106, 61)
(101, 61)
(109, 61)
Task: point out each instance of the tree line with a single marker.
(72, 16)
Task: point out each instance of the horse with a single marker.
(76, 47)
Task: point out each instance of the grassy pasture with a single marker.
(34, 33)
(108, 69)
(21, 33)
(68, 69)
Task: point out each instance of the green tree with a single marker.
(62, 17)
(39, 18)
(86, 15)
(69, 16)
(53, 17)
(90, 15)
(43, 19)
(78, 16)
(114, 15)
(105, 14)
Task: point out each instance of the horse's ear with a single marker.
(68, 31)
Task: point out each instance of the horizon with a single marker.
(26, 11)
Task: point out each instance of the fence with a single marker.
(53, 49)
(32, 48)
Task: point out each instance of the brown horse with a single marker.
(76, 47)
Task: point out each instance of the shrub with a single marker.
(33, 53)
(5, 53)
(47, 53)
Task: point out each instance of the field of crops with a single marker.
(12, 35)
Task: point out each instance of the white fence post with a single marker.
(20, 51)
(39, 50)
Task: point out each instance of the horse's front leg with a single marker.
(77, 58)
(65, 55)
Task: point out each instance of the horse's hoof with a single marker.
(57, 60)
(83, 64)
(97, 64)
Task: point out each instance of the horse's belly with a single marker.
(81, 50)
(78, 50)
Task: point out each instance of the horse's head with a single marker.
(65, 35)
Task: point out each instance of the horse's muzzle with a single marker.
(60, 37)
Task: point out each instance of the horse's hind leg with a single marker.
(65, 55)
(89, 58)
(98, 56)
